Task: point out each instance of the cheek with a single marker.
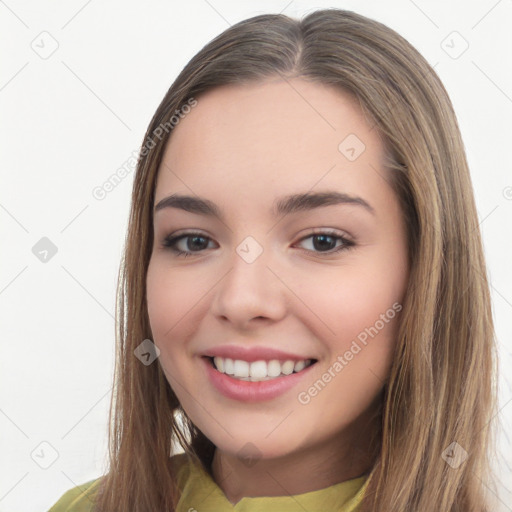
(172, 303)
(374, 290)
(360, 353)
(351, 299)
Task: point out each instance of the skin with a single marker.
(241, 147)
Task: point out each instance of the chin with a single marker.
(256, 447)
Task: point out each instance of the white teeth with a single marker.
(287, 367)
(219, 363)
(299, 365)
(228, 366)
(274, 368)
(241, 368)
(259, 370)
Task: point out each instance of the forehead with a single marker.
(279, 134)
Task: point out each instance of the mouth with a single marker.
(258, 371)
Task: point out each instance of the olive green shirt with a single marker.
(200, 492)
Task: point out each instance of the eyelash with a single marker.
(170, 243)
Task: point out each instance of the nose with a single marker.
(249, 294)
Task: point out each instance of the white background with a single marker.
(70, 120)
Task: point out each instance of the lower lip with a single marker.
(247, 391)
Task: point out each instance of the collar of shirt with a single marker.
(200, 493)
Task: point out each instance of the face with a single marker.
(318, 280)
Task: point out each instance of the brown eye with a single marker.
(190, 243)
(325, 242)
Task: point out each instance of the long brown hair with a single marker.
(441, 388)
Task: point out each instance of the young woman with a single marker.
(304, 306)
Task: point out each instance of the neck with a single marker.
(317, 467)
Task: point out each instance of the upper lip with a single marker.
(251, 354)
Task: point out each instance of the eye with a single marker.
(324, 243)
(197, 243)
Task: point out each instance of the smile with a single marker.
(257, 371)
(255, 381)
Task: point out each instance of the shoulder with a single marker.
(181, 464)
(79, 498)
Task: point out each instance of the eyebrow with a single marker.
(282, 206)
